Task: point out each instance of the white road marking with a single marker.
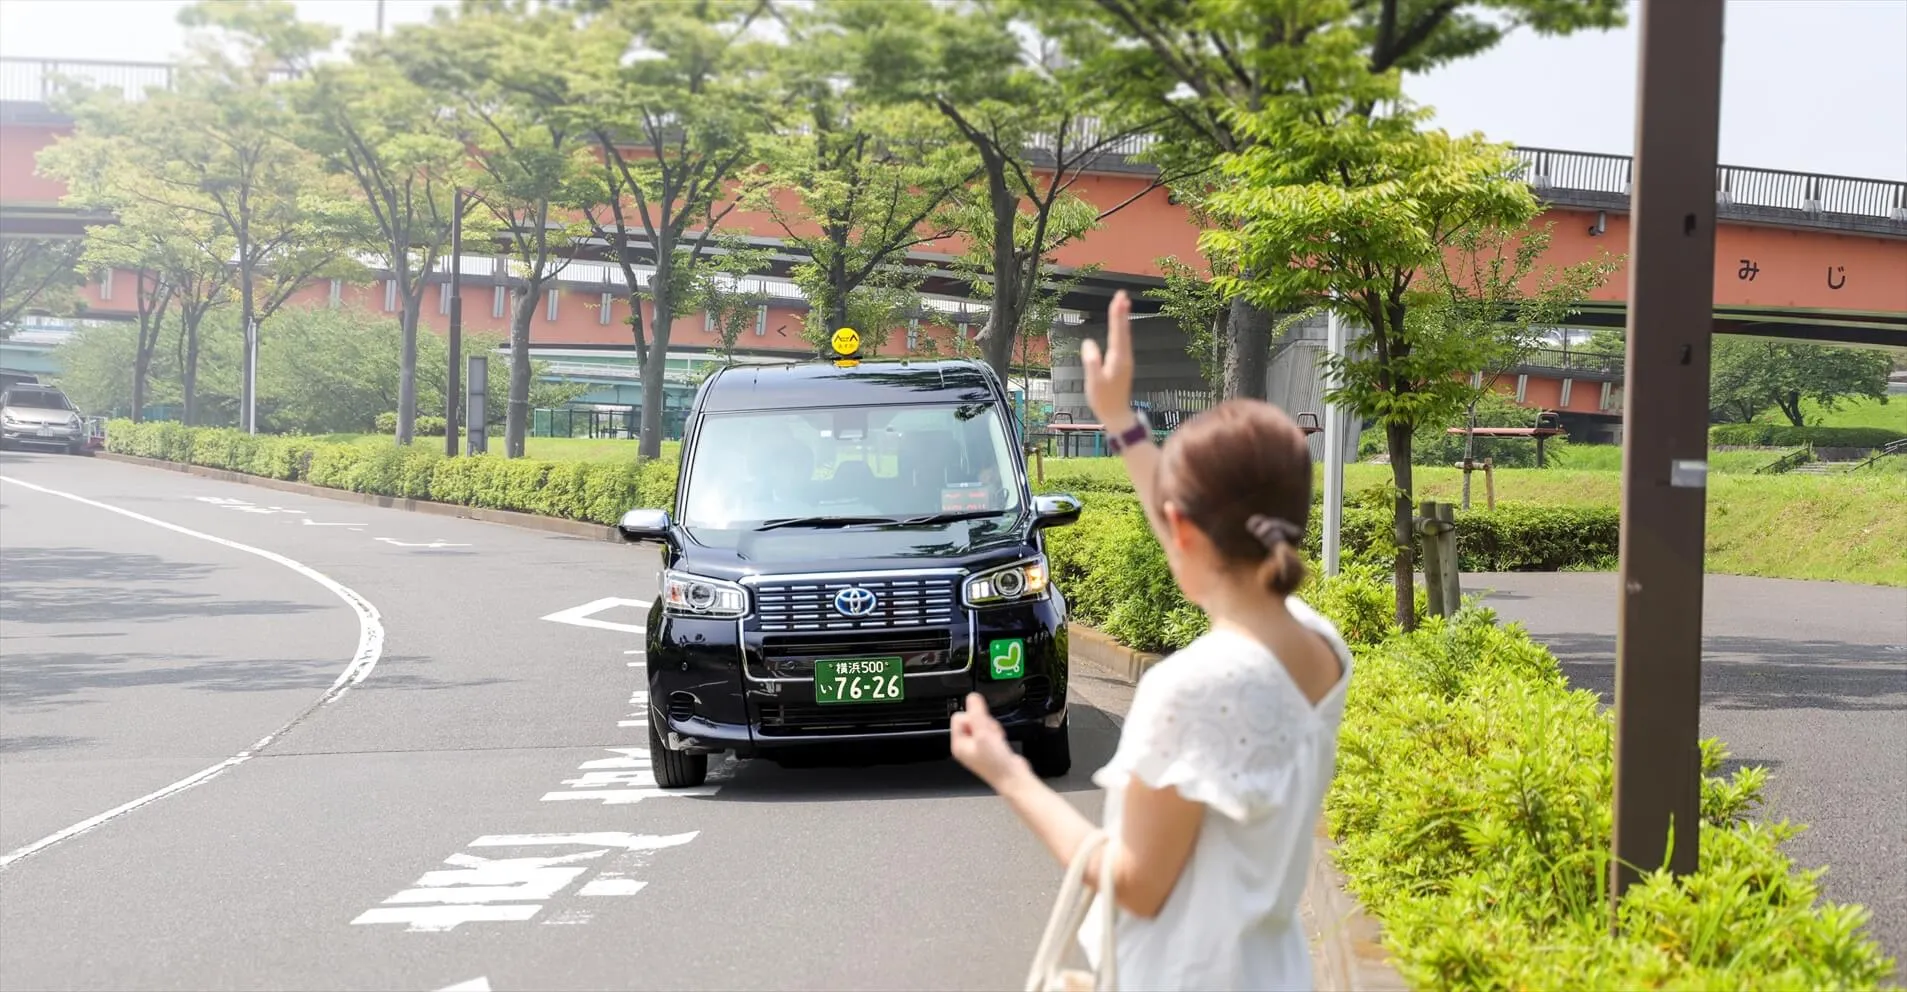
(481, 983)
(584, 615)
(308, 522)
(370, 648)
(440, 919)
(611, 887)
(407, 544)
(626, 841)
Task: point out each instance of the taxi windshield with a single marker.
(816, 467)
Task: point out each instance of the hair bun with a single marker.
(1272, 531)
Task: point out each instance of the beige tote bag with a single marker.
(1069, 913)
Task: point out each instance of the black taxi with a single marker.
(855, 548)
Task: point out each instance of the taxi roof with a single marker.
(870, 383)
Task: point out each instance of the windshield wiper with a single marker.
(948, 518)
(821, 521)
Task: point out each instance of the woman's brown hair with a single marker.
(1241, 472)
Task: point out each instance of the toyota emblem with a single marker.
(854, 601)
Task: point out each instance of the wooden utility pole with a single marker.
(1665, 440)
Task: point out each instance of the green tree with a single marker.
(674, 126)
(1333, 205)
(37, 275)
(1209, 67)
(217, 145)
(1750, 375)
(502, 70)
(369, 122)
(858, 182)
(1037, 119)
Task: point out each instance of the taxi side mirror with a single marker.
(644, 525)
(1055, 510)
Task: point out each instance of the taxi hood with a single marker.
(732, 555)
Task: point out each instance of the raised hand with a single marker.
(1109, 373)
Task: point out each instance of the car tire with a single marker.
(675, 769)
(1050, 752)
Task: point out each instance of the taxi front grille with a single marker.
(785, 719)
(899, 602)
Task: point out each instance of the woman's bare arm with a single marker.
(1108, 376)
(1157, 835)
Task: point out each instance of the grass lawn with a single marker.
(1846, 528)
(1859, 412)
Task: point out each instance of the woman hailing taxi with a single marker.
(1224, 759)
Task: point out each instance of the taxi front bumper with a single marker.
(718, 686)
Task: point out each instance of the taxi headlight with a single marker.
(693, 595)
(1016, 583)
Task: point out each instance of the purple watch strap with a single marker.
(1127, 438)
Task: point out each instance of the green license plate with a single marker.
(859, 680)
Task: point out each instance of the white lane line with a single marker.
(481, 983)
(370, 648)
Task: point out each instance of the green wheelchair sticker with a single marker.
(1008, 658)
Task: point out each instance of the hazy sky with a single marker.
(1810, 85)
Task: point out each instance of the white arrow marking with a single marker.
(308, 522)
(584, 615)
(407, 544)
(481, 983)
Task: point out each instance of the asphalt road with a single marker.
(473, 812)
(1806, 678)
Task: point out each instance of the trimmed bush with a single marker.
(1472, 806)
(599, 492)
(1784, 436)
(386, 423)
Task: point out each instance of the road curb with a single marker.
(528, 521)
(1347, 943)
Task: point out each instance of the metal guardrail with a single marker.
(1735, 185)
(1788, 462)
(1898, 447)
(35, 80)
(1582, 361)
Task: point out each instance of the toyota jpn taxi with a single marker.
(855, 549)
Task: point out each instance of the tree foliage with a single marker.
(1750, 375)
(37, 275)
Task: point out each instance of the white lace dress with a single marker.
(1223, 722)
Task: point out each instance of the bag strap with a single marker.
(1069, 913)
(1108, 970)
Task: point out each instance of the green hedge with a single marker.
(1472, 810)
(595, 491)
(386, 423)
(1778, 435)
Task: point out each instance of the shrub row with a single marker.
(595, 491)
(1472, 807)
(1779, 435)
(386, 423)
(1117, 579)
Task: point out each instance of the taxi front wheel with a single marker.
(1050, 752)
(675, 769)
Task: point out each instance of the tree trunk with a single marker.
(516, 426)
(1402, 526)
(654, 388)
(1791, 408)
(1003, 317)
(1469, 449)
(1247, 351)
(407, 359)
(189, 371)
(247, 403)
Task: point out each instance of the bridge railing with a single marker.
(26, 80)
(1571, 361)
(1735, 185)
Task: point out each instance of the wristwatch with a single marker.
(1141, 430)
